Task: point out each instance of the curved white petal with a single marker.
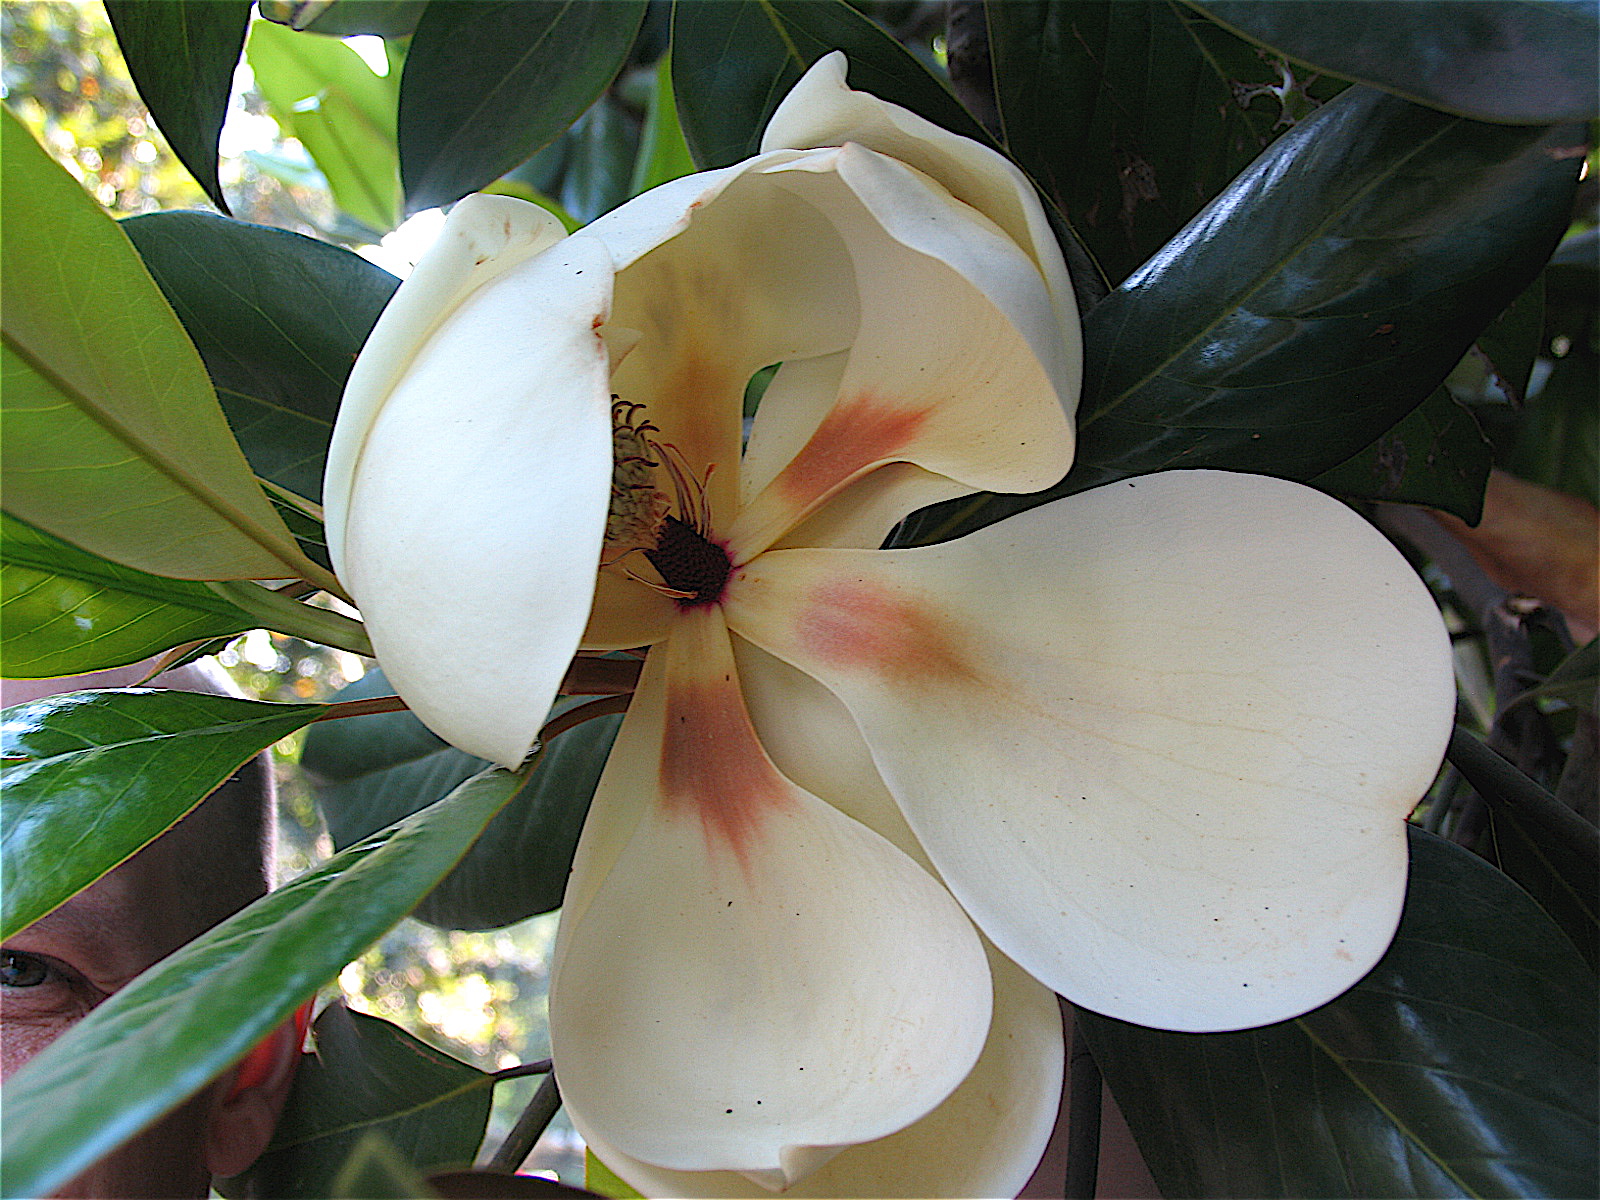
(1160, 738)
(483, 237)
(822, 110)
(958, 365)
(747, 979)
(985, 1140)
(478, 501)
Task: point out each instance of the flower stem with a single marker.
(520, 1141)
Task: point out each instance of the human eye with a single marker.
(21, 970)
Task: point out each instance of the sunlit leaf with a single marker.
(487, 84)
(663, 154)
(1523, 61)
(187, 1018)
(90, 777)
(67, 612)
(324, 94)
(1462, 1065)
(181, 57)
(114, 439)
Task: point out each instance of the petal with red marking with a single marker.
(746, 979)
(958, 365)
(1159, 738)
(478, 501)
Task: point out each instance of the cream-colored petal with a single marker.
(478, 502)
(958, 365)
(985, 1140)
(821, 110)
(483, 237)
(626, 613)
(988, 1137)
(742, 275)
(755, 980)
(1159, 738)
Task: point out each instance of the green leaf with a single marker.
(64, 611)
(1462, 1065)
(602, 147)
(1534, 838)
(278, 318)
(90, 777)
(1508, 347)
(346, 18)
(186, 1019)
(323, 93)
(663, 154)
(1574, 681)
(733, 63)
(487, 84)
(114, 439)
(370, 771)
(1436, 456)
(375, 1170)
(181, 57)
(369, 1075)
(1087, 96)
(1527, 62)
(1314, 304)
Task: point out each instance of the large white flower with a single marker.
(1157, 740)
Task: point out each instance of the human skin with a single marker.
(57, 970)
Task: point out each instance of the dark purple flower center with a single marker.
(690, 562)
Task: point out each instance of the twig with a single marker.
(1083, 1120)
(525, 1133)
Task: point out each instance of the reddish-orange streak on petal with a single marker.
(856, 434)
(857, 625)
(713, 767)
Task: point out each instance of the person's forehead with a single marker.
(114, 928)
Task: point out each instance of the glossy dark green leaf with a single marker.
(733, 63)
(64, 611)
(187, 1018)
(1314, 304)
(1534, 838)
(487, 84)
(370, 771)
(1529, 62)
(181, 57)
(1508, 347)
(1132, 116)
(1436, 456)
(1462, 1065)
(90, 777)
(113, 436)
(278, 319)
(368, 1074)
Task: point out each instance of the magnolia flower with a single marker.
(1156, 741)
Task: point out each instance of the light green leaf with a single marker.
(323, 93)
(186, 1019)
(64, 611)
(90, 777)
(114, 439)
(663, 152)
